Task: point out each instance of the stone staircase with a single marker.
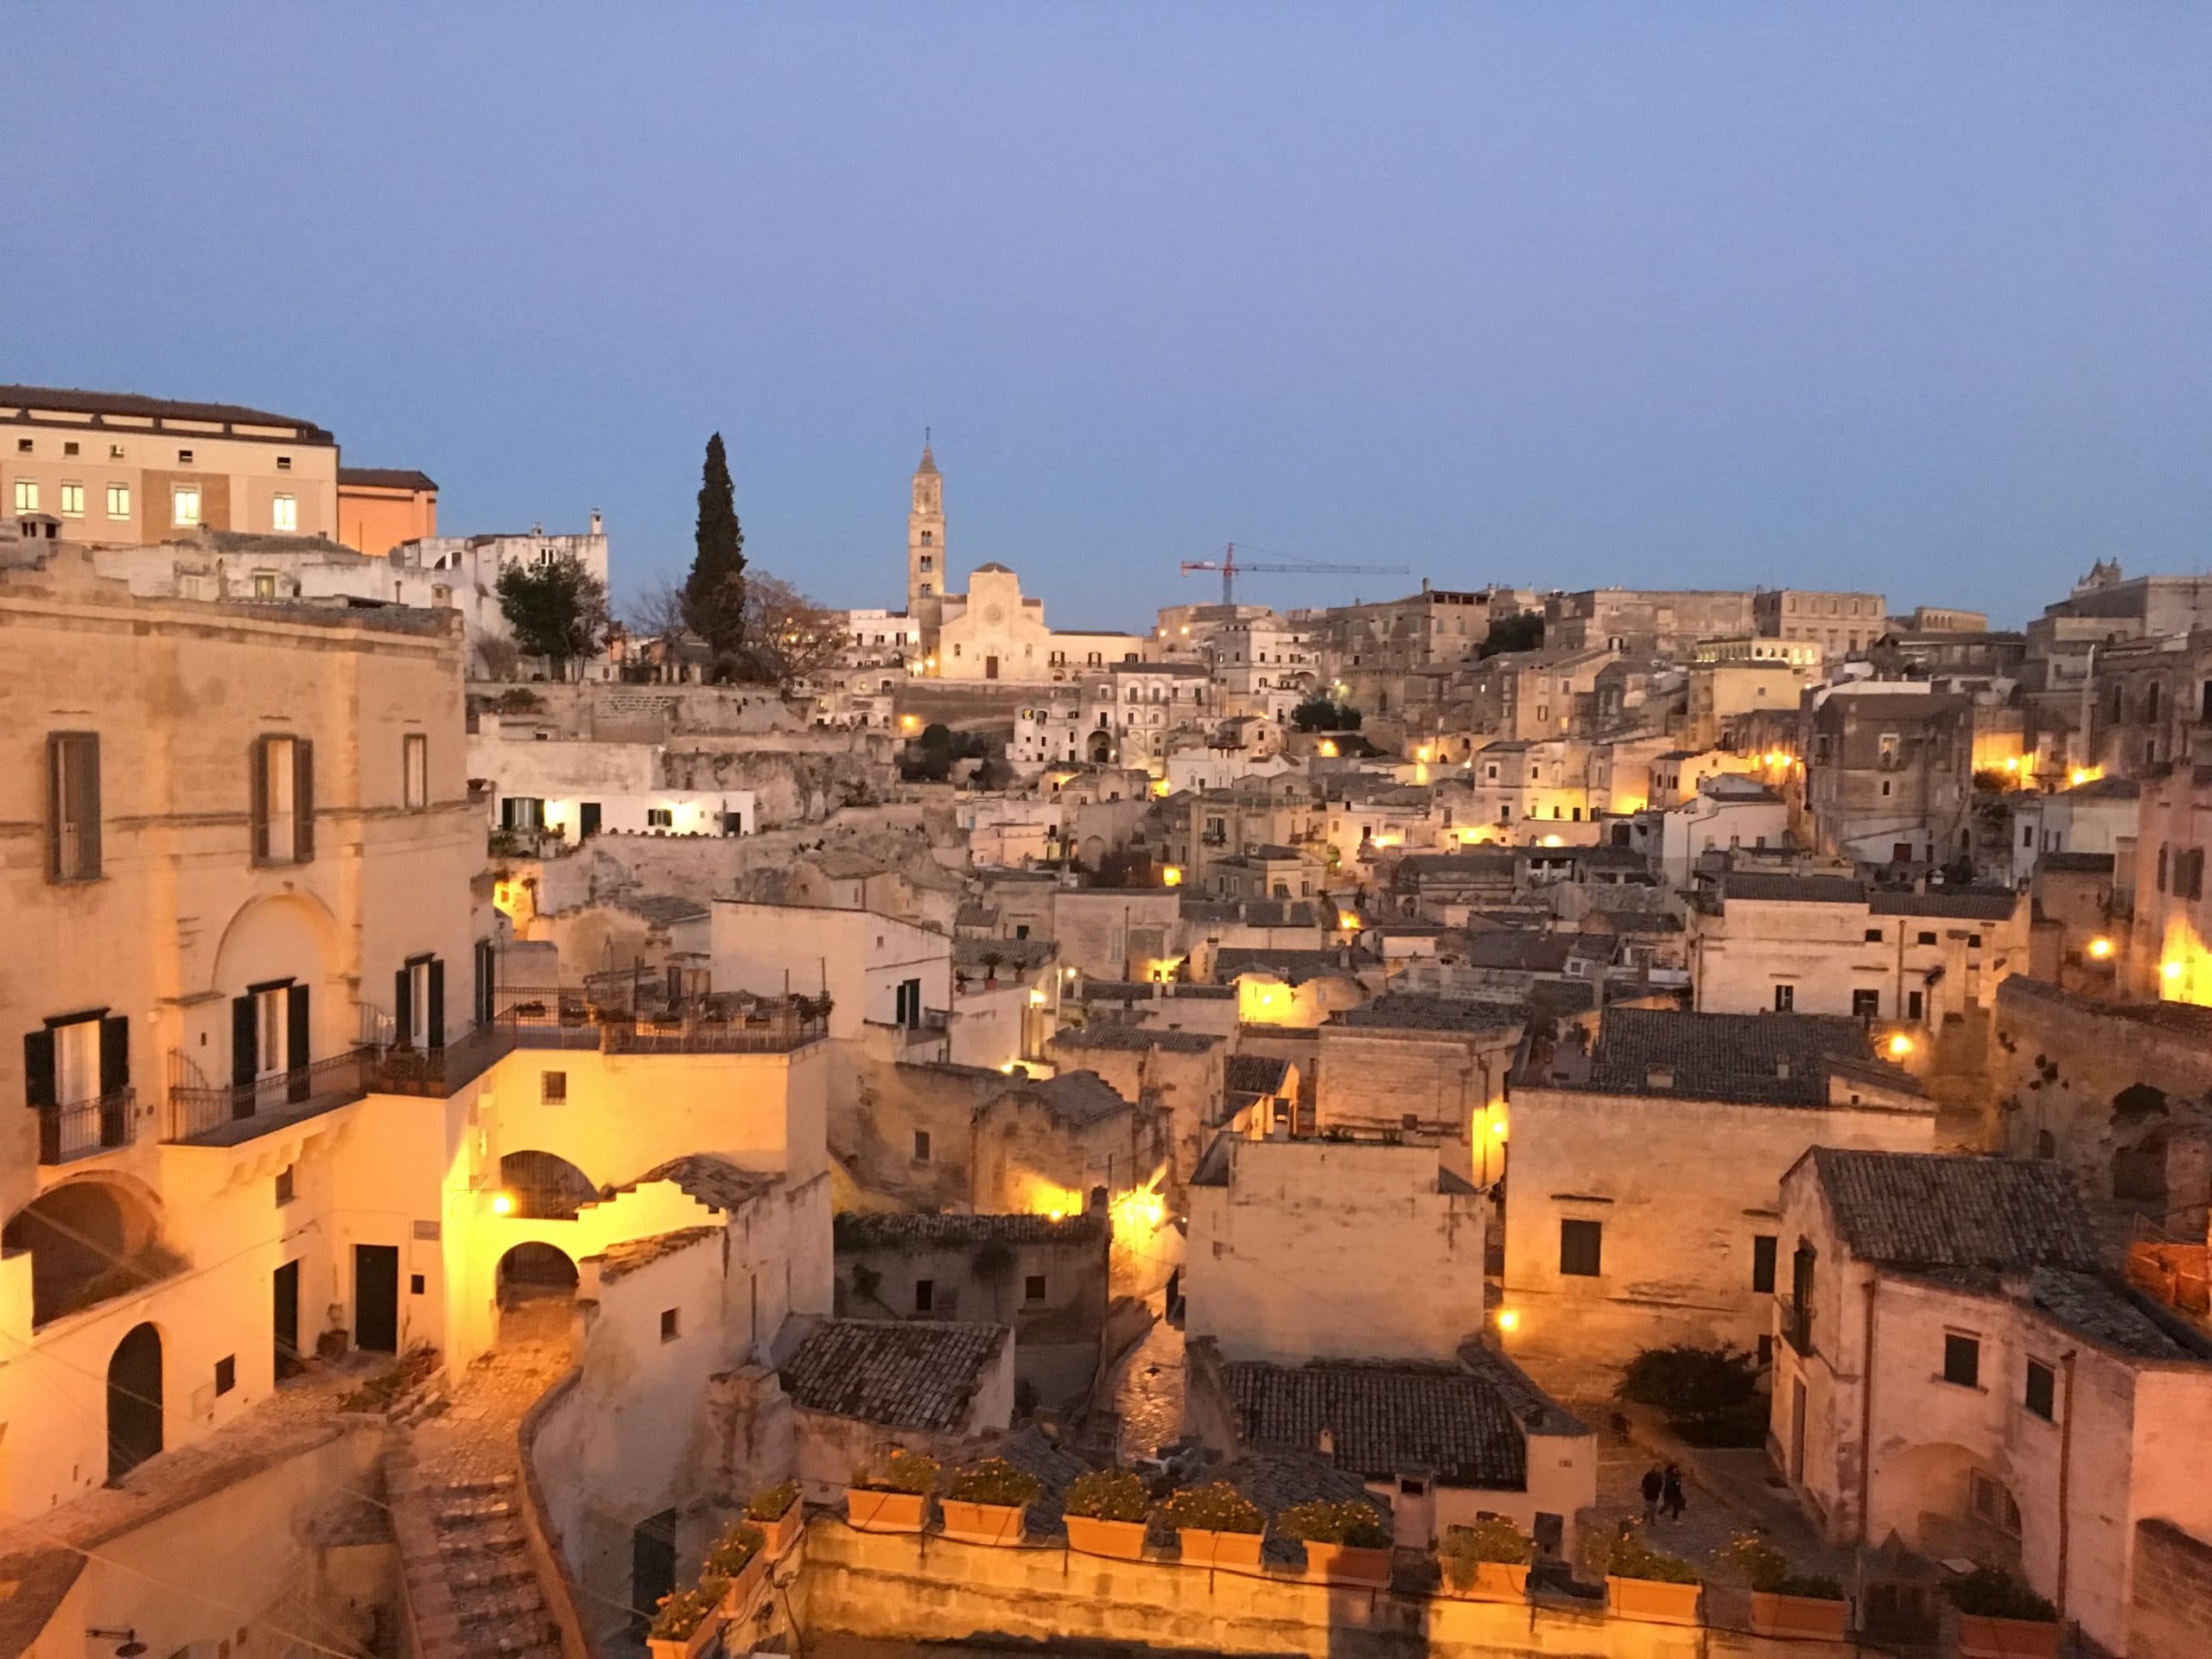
(471, 1587)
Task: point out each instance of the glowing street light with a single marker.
(2101, 948)
(1900, 1045)
(503, 1203)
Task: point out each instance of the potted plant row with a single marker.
(740, 1559)
(1785, 1603)
(688, 1620)
(1644, 1583)
(987, 1503)
(2000, 1618)
(1347, 1541)
(1106, 1510)
(1488, 1561)
(893, 1498)
(1217, 1524)
(779, 1513)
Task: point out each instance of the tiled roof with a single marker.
(713, 1181)
(1381, 1420)
(1779, 1059)
(1292, 965)
(2100, 1307)
(1959, 903)
(2105, 788)
(2185, 1019)
(1640, 921)
(1939, 1209)
(1015, 955)
(917, 1375)
(1079, 1098)
(900, 1228)
(1256, 1074)
(1416, 1011)
(662, 909)
(1124, 1035)
(1793, 889)
(385, 478)
(133, 403)
(2076, 863)
(632, 1254)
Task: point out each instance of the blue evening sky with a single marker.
(1911, 296)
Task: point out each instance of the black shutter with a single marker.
(55, 807)
(115, 1052)
(39, 1082)
(260, 808)
(86, 776)
(303, 800)
(244, 1059)
(437, 1022)
(403, 1009)
(297, 1040)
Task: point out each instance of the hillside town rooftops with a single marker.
(861, 1230)
(1778, 1059)
(901, 1373)
(1129, 1036)
(1380, 1419)
(1418, 1011)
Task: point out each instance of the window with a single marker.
(921, 1146)
(264, 584)
(1582, 1248)
(26, 495)
(73, 796)
(1915, 1002)
(1987, 1500)
(1962, 1360)
(553, 1087)
(284, 463)
(415, 769)
(1032, 1287)
(24, 445)
(1763, 1248)
(285, 512)
(283, 1183)
(2042, 1393)
(119, 500)
(283, 800)
(660, 817)
(115, 452)
(1866, 1005)
(925, 1296)
(1973, 941)
(1873, 936)
(1785, 998)
(670, 1326)
(184, 457)
(184, 505)
(73, 500)
(906, 1004)
(226, 1373)
(1924, 938)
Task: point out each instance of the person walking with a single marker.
(1654, 1485)
(1670, 1492)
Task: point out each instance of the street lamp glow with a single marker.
(2101, 948)
(1508, 1319)
(503, 1203)
(1900, 1045)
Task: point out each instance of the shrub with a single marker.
(683, 1612)
(737, 1545)
(774, 1504)
(1108, 1495)
(1767, 1569)
(912, 1473)
(1992, 1592)
(1710, 1396)
(1625, 1555)
(1215, 1507)
(993, 1481)
(1490, 1538)
(1347, 1521)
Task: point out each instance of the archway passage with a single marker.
(537, 1288)
(89, 1240)
(1101, 747)
(134, 1401)
(545, 1186)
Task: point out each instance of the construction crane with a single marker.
(1228, 567)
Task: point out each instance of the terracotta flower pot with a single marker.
(1497, 1581)
(885, 1512)
(1348, 1564)
(1204, 1548)
(782, 1532)
(1983, 1638)
(661, 1647)
(1652, 1600)
(1123, 1540)
(745, 1587)
(1808, 1616)
(983, 1523)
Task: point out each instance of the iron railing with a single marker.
(201, 1113)
(80, 1128)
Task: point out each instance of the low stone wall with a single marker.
(2172, 1609)
(925, 1587)
(541, 1535)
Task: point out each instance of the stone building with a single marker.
(1888, 776)
(1842, 624)
(860, 1389)
(1643, 1177)
(1645, 622)
(1431, 1066)
(1956, 1366)
(2169, 946)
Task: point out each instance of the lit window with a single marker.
(73, 500)
(26, 495)
(119, 500)
(285, 512)
(184, 505)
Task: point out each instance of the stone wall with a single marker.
(914, 1588)
(2171, 1609)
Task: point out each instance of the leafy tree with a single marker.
(714, 596)
(1320, 713)
(556, 610)
(1523, 630)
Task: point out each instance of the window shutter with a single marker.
(38, 1068)
(115, 1052)
(260, 810)
(244, 1057)
(437, 1020)
(55, 808)
(403, 1009)
(86, 775)
(303, 800)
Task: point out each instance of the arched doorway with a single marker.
(545, 1187)
(90, 1241)
(536, 1289)
(1101, 747)
(134, 1401)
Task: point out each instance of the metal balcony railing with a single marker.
(81, 1128)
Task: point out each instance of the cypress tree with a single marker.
(714, 596)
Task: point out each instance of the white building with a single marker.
(1728, 812)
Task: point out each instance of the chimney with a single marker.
(595, 522)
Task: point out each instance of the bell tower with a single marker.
(926, 571)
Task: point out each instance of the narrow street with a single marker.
(1148, 1389)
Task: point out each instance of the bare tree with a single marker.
(790, 637)
(658, 612)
